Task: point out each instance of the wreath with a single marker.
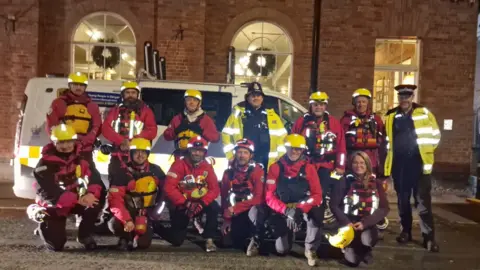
(106, 56)
(270, 61)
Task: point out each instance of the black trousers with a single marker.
(179, 222)
(361, 245)
(409, 180)
(53, 232)
(244, 226)
(117, 228)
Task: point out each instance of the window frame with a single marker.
(121, 46)
(246, 51)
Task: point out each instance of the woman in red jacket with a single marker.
(294, 194)
(359, 200)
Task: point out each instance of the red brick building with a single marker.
(363, 43)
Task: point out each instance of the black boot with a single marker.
(430, 245)
(404, 237)
(88, 242)
(124, 245)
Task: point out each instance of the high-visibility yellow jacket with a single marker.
(428, 136)
(233, 131)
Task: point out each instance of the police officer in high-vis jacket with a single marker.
(412, 136)
(260, 125)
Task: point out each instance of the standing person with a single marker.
(133, 190)
(364, 130)
(295, 195)
(65, 186)
(76, 109)
(359, 200)
(192, 122)
(412, 137)
(325, 142)
(242, 194)
(258, 124)
(130, 119)
(191, 187)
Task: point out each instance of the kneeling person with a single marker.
(134, 189)
(295, 194)
(65, 186)
(242, 194)
(191, 187)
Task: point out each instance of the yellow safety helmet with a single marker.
(319, 97)
(63, 132)
(343, 238)
(193, 93)
(295, 141)
(140, 144)
(78, 77)
(361, 92)
(130, 85)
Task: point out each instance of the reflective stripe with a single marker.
(424, 130)
(272, 154)
(398, 115)
(425, 110)
(435, 132)
(231, 131)
(353, 132)
(427, 167)
(277, 132)
(419, 117)
(342, 159)
(281, 149)
(427, 141)
(227, 148)
(237, 112)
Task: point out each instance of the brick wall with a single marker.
(347, 46)
(19, 63)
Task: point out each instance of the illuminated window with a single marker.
(263, 53)
(103, 46)
(396, 62)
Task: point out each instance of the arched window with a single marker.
(103, 46)
(263, 53)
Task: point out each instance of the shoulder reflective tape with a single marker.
(427, 167)
(231, 131)
(270, 182)
(282, 149)
(273, 154)
(427, 141)
(172, 174)
(419, 117)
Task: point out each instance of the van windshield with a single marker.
(166, 103)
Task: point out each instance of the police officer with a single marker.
(413, 135)
(130, 119)
(192, 122)
(75, 108)
(242, 193)
(294, 194)
(65, 186)
(133, 190)
(191, 187)
(260, 125)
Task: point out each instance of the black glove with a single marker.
(294, 218)
(106, 149)
(193, 208)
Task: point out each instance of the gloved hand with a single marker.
(193, 208)
(106, 149)
(294, 218)
(227, 224)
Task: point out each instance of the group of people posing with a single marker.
(273, 177)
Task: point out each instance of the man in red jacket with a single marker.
(364, 130)
(75, 108)
(133, 190)
(192, 122)
(191, 187)
(242, 194)
(294, 194)
(65, 186)
(131, 119)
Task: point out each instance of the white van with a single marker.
(165, 98)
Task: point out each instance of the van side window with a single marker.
(289, 114)
(166, 103)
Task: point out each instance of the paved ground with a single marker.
(20, 249)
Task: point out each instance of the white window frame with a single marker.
(413, 67)
(118, 45)
(237, 51)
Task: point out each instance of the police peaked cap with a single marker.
(405, 88)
